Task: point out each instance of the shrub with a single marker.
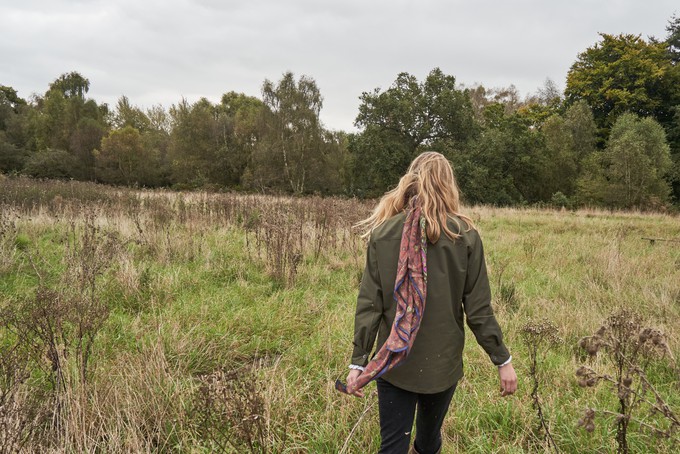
(630, 347)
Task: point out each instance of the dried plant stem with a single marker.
(539, 337)
(653, 429)
(367, 407)
(537, 403)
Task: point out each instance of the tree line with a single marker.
(611, 138)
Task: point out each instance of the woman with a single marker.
(424, 273)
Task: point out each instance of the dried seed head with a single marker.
(587, 420)
(623, 393)
(582, 383)
(644, 335)
(627, 381)
(582, 371)
(591, 381)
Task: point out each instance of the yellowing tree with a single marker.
(620, 74)
(123, 159)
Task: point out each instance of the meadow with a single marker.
(159, 321)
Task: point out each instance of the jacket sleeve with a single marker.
(369, 309)
(477, 304)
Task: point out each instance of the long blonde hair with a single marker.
(430, 177)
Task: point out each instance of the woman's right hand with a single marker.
(508, 379)
(351, 381)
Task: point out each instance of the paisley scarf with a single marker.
(410, 290)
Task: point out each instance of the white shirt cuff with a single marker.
(506, 363)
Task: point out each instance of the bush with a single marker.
(52, 164)
(559, 200)
(12, 158)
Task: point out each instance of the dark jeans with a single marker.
(397, 408)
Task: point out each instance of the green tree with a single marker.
(153, 126)
(561, 168)
(128, 115)
(51, 125)
(674, 142)
(194, 142)
(12, 151)
(630, 171)
(239, 125)
(212, 144)
(327, 173)
(377, 158)
(580, 123)
(292, 153)
(157, 141)
(419, 113)
(83, 141)
(673, 39)
(620, 74)
(71, 85)
(673, 127)
(63, 119)
(10, 102)
(400, 121)
(12, 158)
(569, 140)
(505, 165)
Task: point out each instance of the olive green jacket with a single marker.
(457, 285)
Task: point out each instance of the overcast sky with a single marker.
(158, 51)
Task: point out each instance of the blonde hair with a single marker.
(430, 177)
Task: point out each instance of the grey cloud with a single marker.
(158, 51)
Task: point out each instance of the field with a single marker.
(154, 321)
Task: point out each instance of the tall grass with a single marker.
(196, 322)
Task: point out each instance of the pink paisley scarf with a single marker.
(410, 291)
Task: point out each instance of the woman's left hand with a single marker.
(508, 379)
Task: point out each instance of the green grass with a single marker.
(192, 299)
